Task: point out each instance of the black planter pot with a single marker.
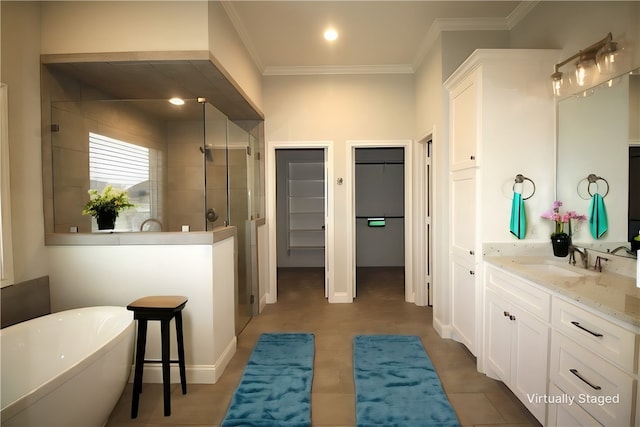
(106, 221)
(560, 243)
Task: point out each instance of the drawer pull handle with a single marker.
(577, 374)
(578, 325)
(506, 314)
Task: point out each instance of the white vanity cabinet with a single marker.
(500, 112)
(593, 360)
(571, 363)
(516, 336)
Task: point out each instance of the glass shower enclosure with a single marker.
(185, 167)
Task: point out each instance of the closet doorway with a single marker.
(381, 210)
(299, 207)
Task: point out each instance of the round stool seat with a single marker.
(162, 308)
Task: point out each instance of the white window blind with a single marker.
(117, 162)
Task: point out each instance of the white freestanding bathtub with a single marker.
(66, 369)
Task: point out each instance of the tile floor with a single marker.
(379, 308)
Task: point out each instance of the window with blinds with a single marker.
(125, 166)
(115, 162)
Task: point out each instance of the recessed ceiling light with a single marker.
(330, 35)
(177, 101)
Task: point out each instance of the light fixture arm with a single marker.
(586, 53)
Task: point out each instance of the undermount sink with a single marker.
(555, 270)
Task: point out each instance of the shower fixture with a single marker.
(207, 150)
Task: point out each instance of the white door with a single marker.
(427, 224)
(300, 237)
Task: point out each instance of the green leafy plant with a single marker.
(108, 203)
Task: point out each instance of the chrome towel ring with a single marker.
(520, 179)
(593, 179)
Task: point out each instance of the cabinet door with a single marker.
(498, 336)
(464, 123)
(530, 361)
(463, 297)
(463, 213)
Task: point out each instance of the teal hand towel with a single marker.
(598, 219)
(518, 226)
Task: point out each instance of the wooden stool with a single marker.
(162, 308)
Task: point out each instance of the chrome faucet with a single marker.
(148, 220)
(623, 248)
(598, 265)
(584, 256)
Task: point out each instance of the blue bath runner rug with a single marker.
(275, 388)
(397, 385)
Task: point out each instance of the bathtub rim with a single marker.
(14, 408)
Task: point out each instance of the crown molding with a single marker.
(231, 12)
(435, 30)
(335, 69)
(455, 24)
(522, 10)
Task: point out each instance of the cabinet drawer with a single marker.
(615, 343)
(563, 414)
(527, 296)
(600, 388)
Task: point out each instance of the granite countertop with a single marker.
(612, 294)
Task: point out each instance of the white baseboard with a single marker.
(445, 331)
(340, 297)
(196, 374)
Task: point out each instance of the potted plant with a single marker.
(106, 206)
(561, 240)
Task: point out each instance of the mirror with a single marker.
(599, 134)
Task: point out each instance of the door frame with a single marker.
(409, 291)
(271, 213)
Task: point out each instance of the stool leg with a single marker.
(183, 373)
(166, 373)
(137, 379)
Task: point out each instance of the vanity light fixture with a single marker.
(177, 101)
(604, 54)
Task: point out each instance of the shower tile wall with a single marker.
(217, 186)
(70, 152)
(185, 177)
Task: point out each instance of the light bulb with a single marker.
(607, 58)
(584, 76)
(556, 83)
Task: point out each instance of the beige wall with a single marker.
(339, 108)
(20, 71)
(228, 49)
(102, 26)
